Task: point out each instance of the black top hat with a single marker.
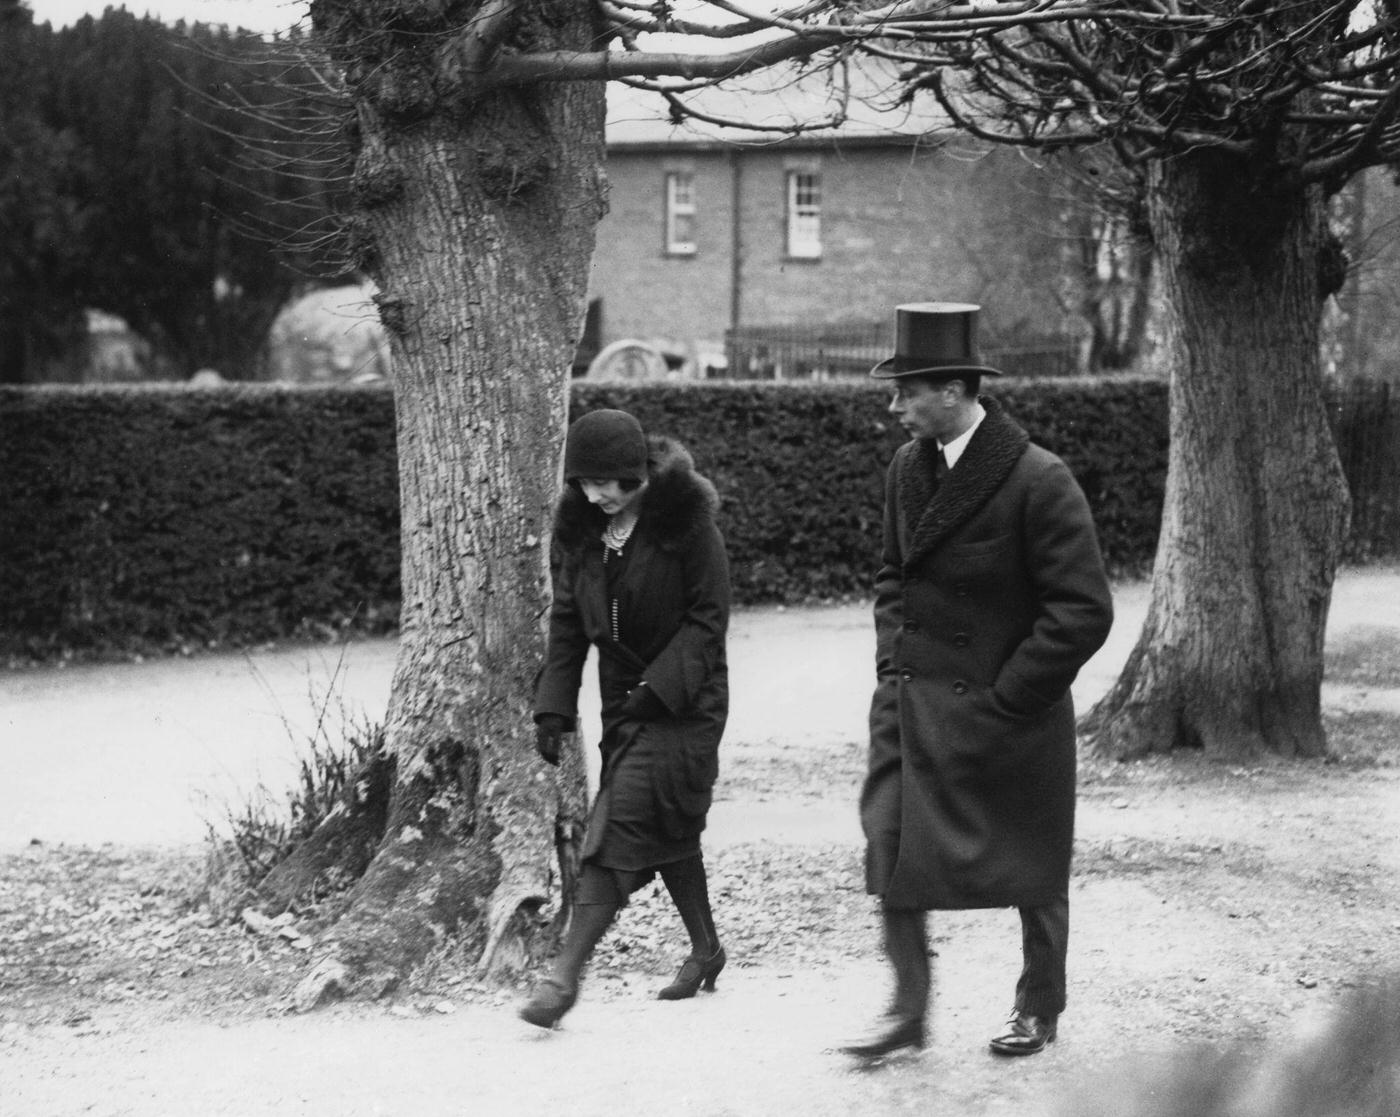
(931, 339)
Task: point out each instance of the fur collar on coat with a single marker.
(939, 510)
(677, 500)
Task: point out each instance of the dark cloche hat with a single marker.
(606, 445)
(931, 339)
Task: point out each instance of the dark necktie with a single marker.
(940, 467)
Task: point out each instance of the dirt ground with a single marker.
(1212, 905)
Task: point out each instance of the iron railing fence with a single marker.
(844, 350)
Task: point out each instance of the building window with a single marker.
(680, 213)
(804, 215)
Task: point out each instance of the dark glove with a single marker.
(549, 728)
(642, 704)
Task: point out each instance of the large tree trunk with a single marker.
(1230, 656)
(477, 221)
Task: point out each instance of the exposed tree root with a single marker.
(326, 982)
(515, 932)
(509, 929)
(339, 851)
(1152, 711)
(415, 893)
(486, 880)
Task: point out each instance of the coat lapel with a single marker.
(995, 448)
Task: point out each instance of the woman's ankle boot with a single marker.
(548, 1003)
(556, 994)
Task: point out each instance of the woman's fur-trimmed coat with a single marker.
(990, 596)
(673, 604)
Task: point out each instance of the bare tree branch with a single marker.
(608, 65)
(1310, 88)
(474, 49)
(1378, 142)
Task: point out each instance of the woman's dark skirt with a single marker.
(635, 835)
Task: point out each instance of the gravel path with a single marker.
(1211, 906)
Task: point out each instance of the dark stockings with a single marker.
(589, 923)
(601, 895)
(690, 892)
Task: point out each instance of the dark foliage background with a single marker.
(164, 519)
(800, 467)
(162, 174)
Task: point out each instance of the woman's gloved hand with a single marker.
(549, 728)
(642, 704)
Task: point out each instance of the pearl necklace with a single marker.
(614, 537)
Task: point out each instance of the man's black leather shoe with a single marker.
(1025, 1035)
(891, 1032)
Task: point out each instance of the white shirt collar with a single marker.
(952, 451)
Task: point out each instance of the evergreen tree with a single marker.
(128, 187)
(42, 221)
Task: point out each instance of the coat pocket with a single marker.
(984, 567)
(684, 782)
(994, 737)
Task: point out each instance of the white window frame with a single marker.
(804, 214)
(680, 213)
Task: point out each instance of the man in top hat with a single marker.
(990, 596)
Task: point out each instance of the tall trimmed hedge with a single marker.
(158, 519)
(800, 467)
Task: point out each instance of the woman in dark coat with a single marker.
(640, 573)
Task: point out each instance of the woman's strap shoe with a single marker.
(694, 973)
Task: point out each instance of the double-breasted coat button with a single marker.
(961, 640)
(959, 687)
(906, 674)
(960, 589)
(911, 626)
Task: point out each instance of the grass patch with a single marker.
(1366, 655)
(1363, 738)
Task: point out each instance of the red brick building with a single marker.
(712, 231)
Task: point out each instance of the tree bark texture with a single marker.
(1230, 655)
(476, 218)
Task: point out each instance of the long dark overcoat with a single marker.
(673, 602)
(990, 596)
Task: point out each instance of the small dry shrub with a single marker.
(252, 837)
(1366, 655)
